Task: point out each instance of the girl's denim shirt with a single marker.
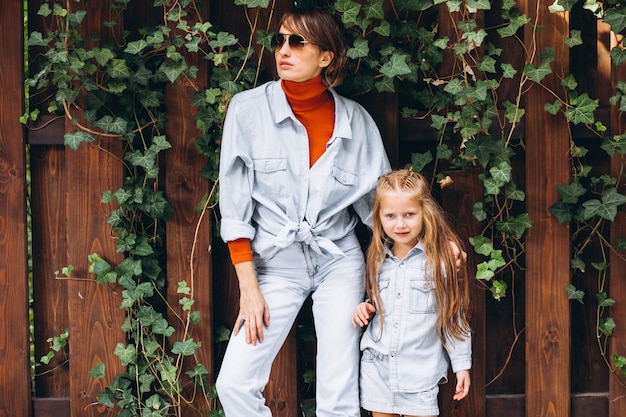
(410, 341)
(268, 192)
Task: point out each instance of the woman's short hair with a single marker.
(324, 30)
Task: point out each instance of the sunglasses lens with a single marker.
(278, 40)
(295, 41)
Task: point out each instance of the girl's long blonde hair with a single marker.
(451, 281)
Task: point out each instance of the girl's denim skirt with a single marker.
(376, 394)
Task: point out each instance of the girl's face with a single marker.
(401, 218)
(301, 62)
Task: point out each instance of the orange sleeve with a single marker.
(240, 250)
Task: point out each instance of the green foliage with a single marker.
(118, 92)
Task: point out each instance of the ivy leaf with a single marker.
(554, 107)
(575, 294)
(222, 334)
(508, 70)
(118, 69)
(385, 86)
(515, 226)
(606, 326)
(606, 208)
(604, 300)
(172, 70)
(479, 4)
(487, 64)
(443, 152)
(537, 74)
(498, 289)
(577, 264)
(482, 148)
(396, 66)
(484, 272)
(36, 39)
(110, 125)
(97, 371)
(420, 160)
(223, 39)
(253, 3)
(574, 39)
(571, 192)
(127, 354)
(618, 55)
(614, 145)
(569, 82)
(583, 109)
(616, 18)
(478, 212)
(501, 173)
(186, 348)
(496, 261)
(360, 49)
(186, 303)
(563, 212)
(136, 47)
(481, 245)
(161, 326)
(160, 143)
(103, 55)
(567, 4)
(74, 139)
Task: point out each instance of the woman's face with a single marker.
(300, 63)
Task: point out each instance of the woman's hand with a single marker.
(460, 256)
(363, 313)
(254, 314)
(462, 385)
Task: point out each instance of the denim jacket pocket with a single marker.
(270, 176)
(342, 183)
(423, 298)
(385, 293)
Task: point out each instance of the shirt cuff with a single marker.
(240, 250)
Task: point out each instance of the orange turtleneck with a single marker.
(314, 107)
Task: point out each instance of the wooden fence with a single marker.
(553, 367)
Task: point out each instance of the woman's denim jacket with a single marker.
(268, 192)
(410, 341)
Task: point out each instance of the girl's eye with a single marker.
(410, 214)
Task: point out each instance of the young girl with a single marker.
(418, 299)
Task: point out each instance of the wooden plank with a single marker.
(51, 407)
(458, 200)
(50, 308)
(281, 393)
(189, 231)
(589, 404)
(547, 242)
(95, 314)
(617, 266)
(14, 337)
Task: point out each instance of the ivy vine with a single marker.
(118, 93)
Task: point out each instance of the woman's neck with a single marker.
(306, 95)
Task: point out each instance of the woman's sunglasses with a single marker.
(296, 42)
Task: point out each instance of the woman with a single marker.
(298, 167)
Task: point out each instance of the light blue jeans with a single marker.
(337, 286)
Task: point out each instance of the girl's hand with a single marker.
(462, 385)
(363, 313)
